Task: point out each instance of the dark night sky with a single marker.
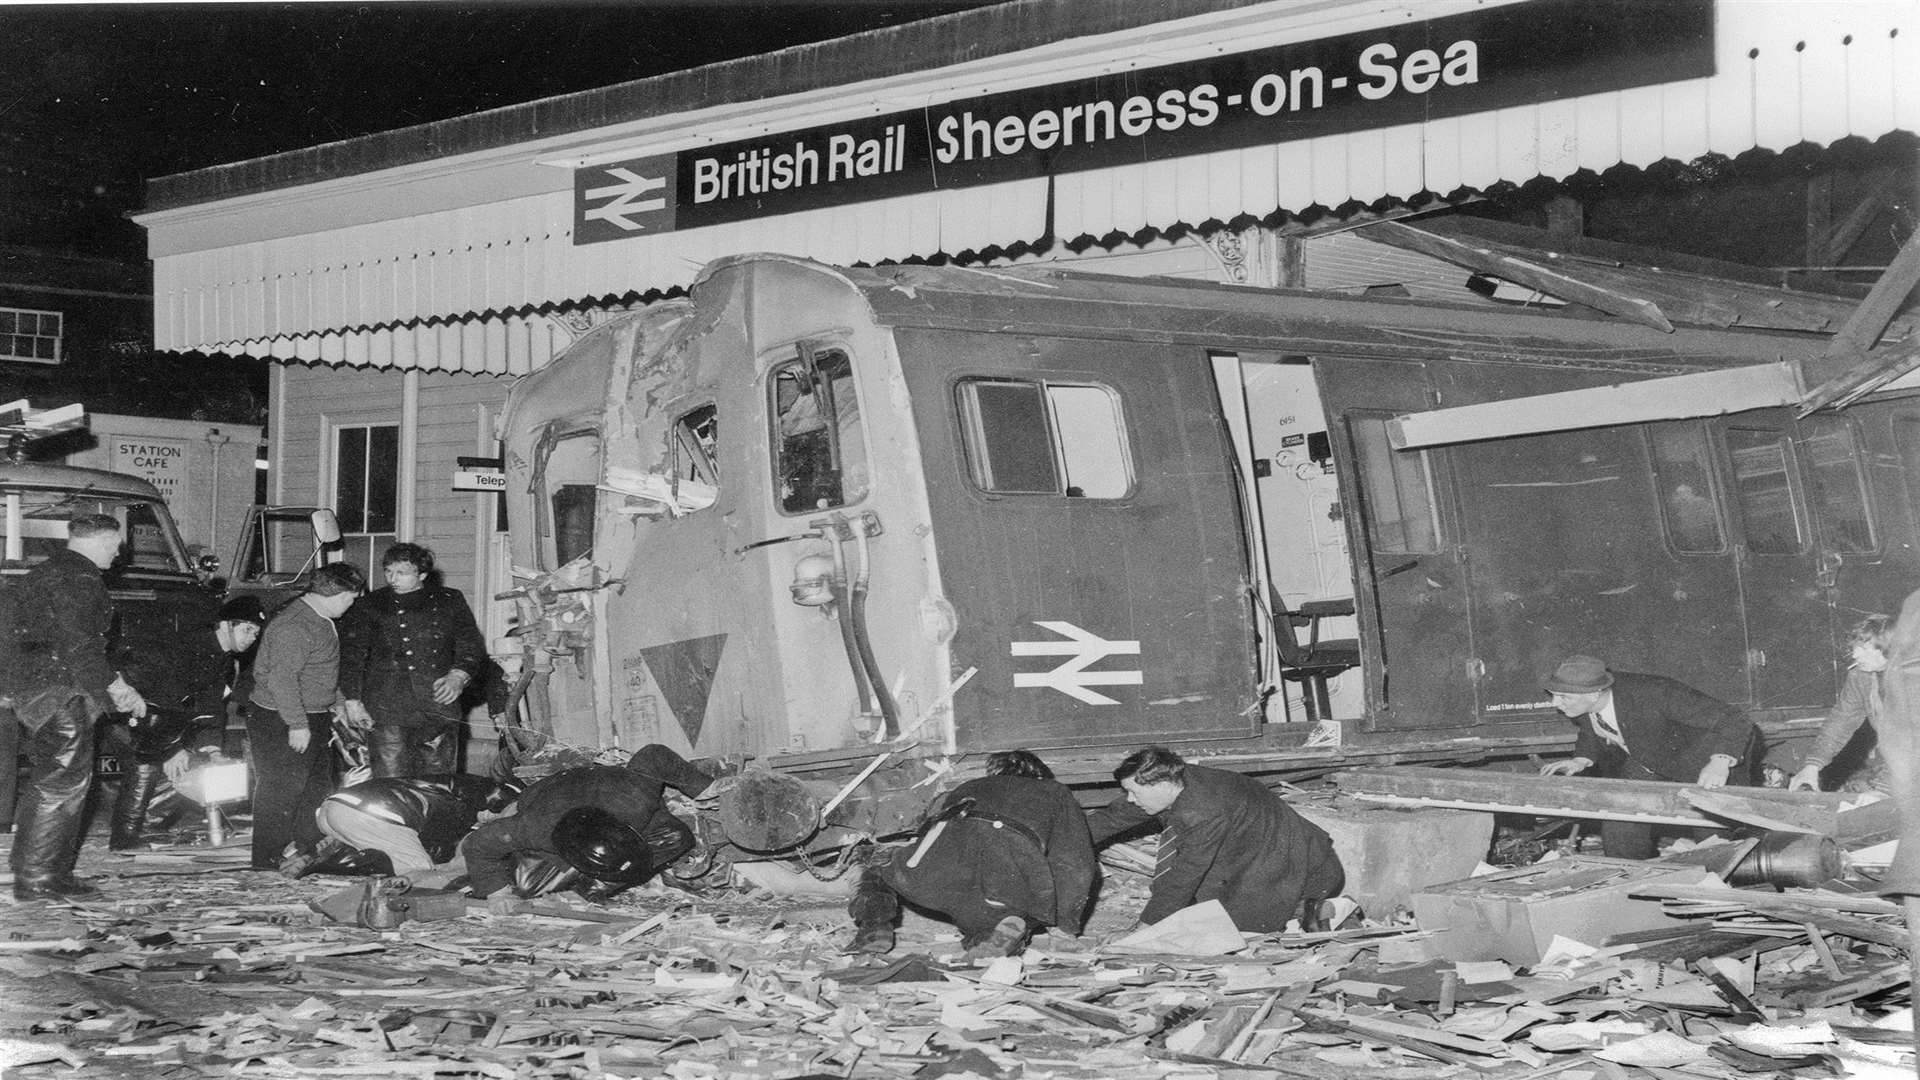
(99, 97)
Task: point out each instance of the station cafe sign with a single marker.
(1518, 54)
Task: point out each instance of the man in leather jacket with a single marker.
(1000, 855)
(407, 654)
(63, 684)
(416, 822)
(186, 689)
(633, 793)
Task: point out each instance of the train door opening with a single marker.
(1299, 545)
(1411, 574)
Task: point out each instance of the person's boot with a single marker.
(64, 887)
(130, 806)
(874, 909)
(1008, 936)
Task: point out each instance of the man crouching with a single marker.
(999, 855)
(1225, 837)
(607, 824)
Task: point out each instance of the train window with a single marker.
(1839, 487)
(820, 456)
(1401, 516)
(1906, 441)
(1684, 469)
(695, 437)
(1040, 438)
(1766, 491)
(565, 472)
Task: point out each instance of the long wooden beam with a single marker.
(1649, 801)
(1704, 393)
(1863, 370)
(1524, 271)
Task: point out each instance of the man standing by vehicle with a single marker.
(1225, 837)
(1647, 727)
(407, 653)
(289, 722)
(186, 688)
(64, 683)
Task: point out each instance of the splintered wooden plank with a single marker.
(1653, 801)
(1873, 982)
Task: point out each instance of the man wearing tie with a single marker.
(1648, 727)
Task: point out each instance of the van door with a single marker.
(1411, 584)
(1089, 538)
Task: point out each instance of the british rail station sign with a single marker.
(1524, 53)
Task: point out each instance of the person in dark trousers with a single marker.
(1000, 855)
(1648, 727)
(608, 822)
(186, 689)
(415, 823)
(1223, 836)
(64, 682)
(407, 654)
(289, 724)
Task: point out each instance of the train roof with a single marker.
(1712, 323)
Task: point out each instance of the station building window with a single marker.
(366, 490)
(32, 336)
(819, 452)
(1029, 437)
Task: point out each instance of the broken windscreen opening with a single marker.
(565, 473)
(820, 456)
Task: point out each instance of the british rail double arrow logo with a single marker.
(1072, 677)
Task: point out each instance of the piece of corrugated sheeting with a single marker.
(480, 344)
(1787, 72)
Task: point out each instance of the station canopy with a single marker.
(461, 245)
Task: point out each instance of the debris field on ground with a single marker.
(190, 964)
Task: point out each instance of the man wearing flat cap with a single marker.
(1648, 727)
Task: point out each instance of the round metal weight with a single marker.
(768, 811)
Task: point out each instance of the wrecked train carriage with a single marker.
(811, 510)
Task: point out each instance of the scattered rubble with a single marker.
(194, 965)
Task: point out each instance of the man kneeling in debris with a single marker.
(1224, 837)
(1648, 727)
(405, 825)
(605, 823)
(1000, 855)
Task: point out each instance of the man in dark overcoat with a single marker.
(1223, 836)
(1000, 855)
(408, 652)
(633, 793)
(1648, 727)
(63, 684)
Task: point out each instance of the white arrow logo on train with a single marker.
(626, 197)
(1072, 678)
